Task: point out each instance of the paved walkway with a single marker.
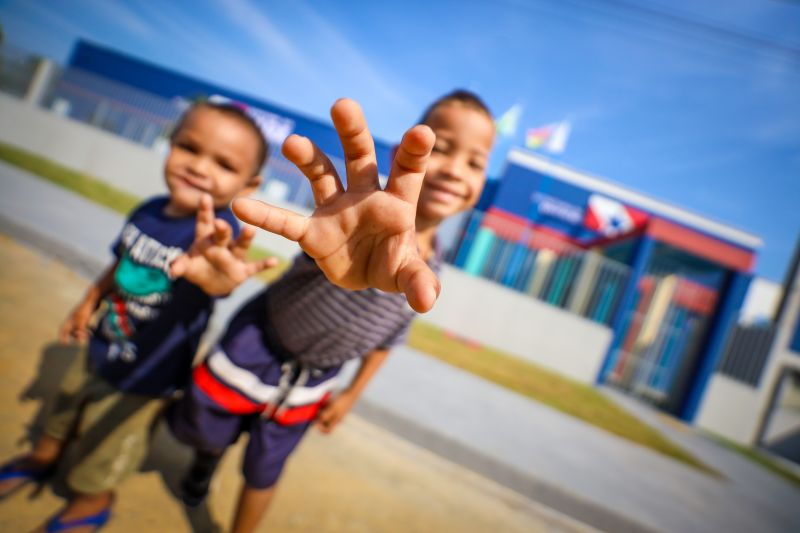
(567, 464)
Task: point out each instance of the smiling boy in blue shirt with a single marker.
(150, 322)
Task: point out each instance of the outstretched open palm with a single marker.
(363, 236)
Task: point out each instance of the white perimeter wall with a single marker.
(533, 330)
(129, 166)
(730, 408)
(739, 411)
(470, 307)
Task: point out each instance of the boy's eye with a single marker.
(226, 165)
(477, 165)
(186, 146)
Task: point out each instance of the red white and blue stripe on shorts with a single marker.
(240, 391)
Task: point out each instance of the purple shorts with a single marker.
(243, 385)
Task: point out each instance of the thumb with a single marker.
(179, 266)
(420, 285)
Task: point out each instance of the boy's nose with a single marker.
(199, 166)
(453, 168)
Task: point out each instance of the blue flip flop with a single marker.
(10, 470)
(98, 520)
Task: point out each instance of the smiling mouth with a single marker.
(189, 183)
(440, 191)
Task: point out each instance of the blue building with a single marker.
(668, 282)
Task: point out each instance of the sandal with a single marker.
(12, 470)
(98, 520)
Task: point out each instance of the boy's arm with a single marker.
(363, 236)
(76, 325)
(336, 409)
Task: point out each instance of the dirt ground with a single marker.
(361, 478)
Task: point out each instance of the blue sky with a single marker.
(692, 102)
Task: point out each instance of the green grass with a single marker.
(570, 397)
(758, 457)
(90, 187)
(566, 395)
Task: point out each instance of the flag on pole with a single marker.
(552, 137)
(507, 124)
(506, 127)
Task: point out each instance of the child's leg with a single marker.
(269, 447)
(252, 505)
(199, 422)
(59, 422)
(194, 487)
(111, 444)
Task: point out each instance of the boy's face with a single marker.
(457, 166)
(212, 153)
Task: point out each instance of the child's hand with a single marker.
(364, 236)
(334, 411)
(215, 263)
(76, 326)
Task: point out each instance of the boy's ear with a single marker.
(251, 185)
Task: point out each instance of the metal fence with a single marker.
(138, 116)
(17, 68)
(746, 352)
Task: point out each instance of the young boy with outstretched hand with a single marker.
(370, 253)
(150, 322)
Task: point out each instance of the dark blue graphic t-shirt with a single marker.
(151, 325)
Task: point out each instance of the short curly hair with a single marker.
(235, 112)
(461, 96)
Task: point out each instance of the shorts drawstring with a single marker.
(286, 384)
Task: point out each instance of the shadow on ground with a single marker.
(166, 456)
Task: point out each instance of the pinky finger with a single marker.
(263, 264)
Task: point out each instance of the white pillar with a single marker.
(40, 82)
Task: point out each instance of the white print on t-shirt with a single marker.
(147, 251)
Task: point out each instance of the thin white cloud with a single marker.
(51, 18)
(352, 59)
(205, 50)
(121, 15)
(271, 41)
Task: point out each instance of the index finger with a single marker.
(315, 165)
(358, 146)
(204, 220)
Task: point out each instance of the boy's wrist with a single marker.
(87, 304)
(349, 394)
